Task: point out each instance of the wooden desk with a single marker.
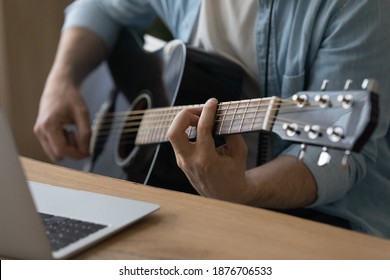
(194, 227)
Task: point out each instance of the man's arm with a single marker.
(79, 52)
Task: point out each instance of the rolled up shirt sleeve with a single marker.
(333, 180)
(105, 18)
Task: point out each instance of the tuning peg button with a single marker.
(371, 85)
(323, 100)
(291, 129)
(301, 100)
(313, 131)
(324, 158)
(324, 85)
(345, 100)
(302, 152)
(335, 134)
(348, 84)
(344, 161)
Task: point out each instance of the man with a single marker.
(285, 46)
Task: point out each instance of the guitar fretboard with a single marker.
(231, 117)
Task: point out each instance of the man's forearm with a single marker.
(283, 183)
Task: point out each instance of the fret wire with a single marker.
(162, 128)
(232, 119)
(141, 133)
(154, 131)
(155, 127)
(243, 117)
(223, 117)
(159, 130)
(168, 122)
(168, 119)
(257, 109)
(149, 134)
(145, 124)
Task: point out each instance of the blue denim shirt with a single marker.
(309, 41)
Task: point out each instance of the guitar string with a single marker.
(135, 121)
(134, 126)
(261, 103)
(112, 118)
(132, 130)
(130, 138)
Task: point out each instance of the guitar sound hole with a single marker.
(126, 148)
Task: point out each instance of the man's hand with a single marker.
(78, 53)
(283, 183)
(214, 172)
(62, 105)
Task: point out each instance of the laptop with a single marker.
(40, 221)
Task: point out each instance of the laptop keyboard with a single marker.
(64, 231)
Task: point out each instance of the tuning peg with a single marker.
(301, 99)
(344, 161)
(313, 131)
(302, 151)
(371, 85)
(348, 84)
(324, 158)
(323, 100)
(324, 85)
(335, 134)
(291, 129)
(345, 100)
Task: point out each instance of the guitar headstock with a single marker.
(342, 119)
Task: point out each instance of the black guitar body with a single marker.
(175, 75)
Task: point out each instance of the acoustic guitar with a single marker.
(129, 131)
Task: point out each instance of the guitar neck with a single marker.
(231, 118)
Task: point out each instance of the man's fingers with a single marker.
(177, 131)
(72, 148)
(58, 142)
(61, 143)
(81, 116)
(206, 121)
(237, 147)
(48, 149)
